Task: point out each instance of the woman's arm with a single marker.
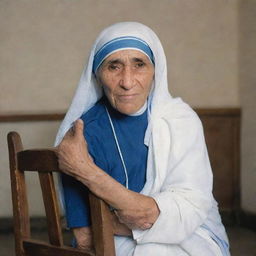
(136, 211)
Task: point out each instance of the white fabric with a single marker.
(179, 175)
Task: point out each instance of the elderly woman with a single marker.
(140, 150)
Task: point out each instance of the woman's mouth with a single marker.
(127, 97)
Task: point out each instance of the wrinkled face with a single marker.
(126, 77)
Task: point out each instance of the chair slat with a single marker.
(103, 234)
(19, 194)
(38, 248)
(43, 160)
(51, 208)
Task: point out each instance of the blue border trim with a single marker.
(121, 43)
(224, 247)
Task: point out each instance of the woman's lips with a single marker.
(127, 97)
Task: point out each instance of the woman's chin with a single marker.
(127, 110)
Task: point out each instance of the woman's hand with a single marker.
(73, 155)
(83, 236)
(142, 216)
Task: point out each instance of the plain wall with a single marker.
(44, 45)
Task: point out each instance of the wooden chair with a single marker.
(44, 161)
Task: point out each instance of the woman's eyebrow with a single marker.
(114, 61)
(138, 59)
(119, 61)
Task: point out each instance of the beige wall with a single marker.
(45, 43)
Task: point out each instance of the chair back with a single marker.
(45, 162)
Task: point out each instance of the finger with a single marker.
(79, 128)
(69, 133)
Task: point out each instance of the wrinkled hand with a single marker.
(142, 218)
(83, 237)
(73, 155)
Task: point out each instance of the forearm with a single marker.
(111, 191)
(133, 209)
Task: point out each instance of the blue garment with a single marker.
(130, 131)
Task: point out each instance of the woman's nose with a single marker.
(127, 78)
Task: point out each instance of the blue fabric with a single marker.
(121, 43)
(130, 131)
(224, 247)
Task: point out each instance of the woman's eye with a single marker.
(113, 67)
(140, 64)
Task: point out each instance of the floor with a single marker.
(242, 241)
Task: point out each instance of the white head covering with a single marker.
(89, 92)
